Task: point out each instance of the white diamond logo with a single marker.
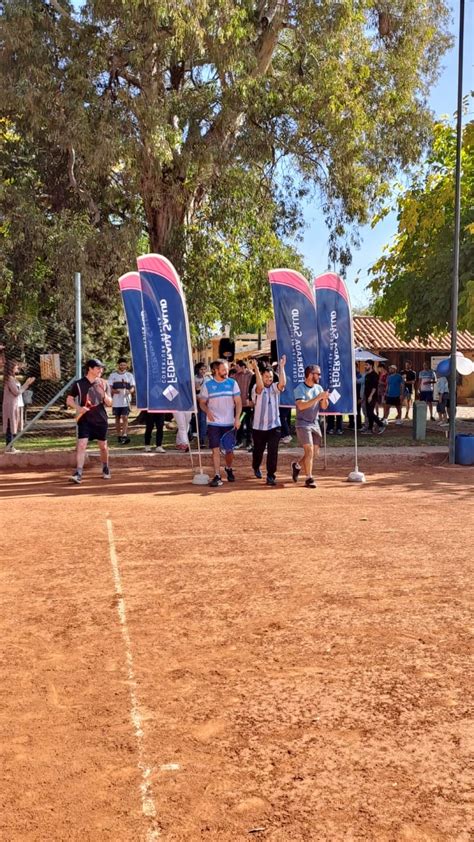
(170, 392)
(334, 396)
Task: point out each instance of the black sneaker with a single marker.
(271, 481)
(126, 440)
(295, 471)
(106, 472)
(310, 483)
(230, 474)
(119, 439)
(216, 482)
(76, 477)
(258, 473)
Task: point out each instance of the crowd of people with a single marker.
(243, 398)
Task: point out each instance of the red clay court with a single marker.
(182, 663)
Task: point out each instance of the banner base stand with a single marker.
(356, 476)
(200, 479)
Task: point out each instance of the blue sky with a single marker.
(443, 101)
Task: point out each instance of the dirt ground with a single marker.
(282, 664)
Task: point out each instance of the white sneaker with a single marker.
(11, 450)
(286, 439)
(147, 448)
(160, 449)
(398, 422)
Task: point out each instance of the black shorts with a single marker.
(91, 431)
(392, 401)
(215, 433)
(117, 411)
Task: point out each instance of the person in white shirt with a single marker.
(266, 427)
(122, 385)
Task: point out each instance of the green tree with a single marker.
(413, 279)
(207, 122)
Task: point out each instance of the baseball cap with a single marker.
(94, 363)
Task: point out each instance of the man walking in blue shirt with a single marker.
(220, 399)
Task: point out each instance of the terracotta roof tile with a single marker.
(378, 335)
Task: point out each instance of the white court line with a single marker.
(148, 803)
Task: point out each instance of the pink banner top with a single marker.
(290, 278)
(130, 281)
(331, 281)
(160, 266)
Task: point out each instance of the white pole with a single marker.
(78, 314)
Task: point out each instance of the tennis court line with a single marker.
(148, 802)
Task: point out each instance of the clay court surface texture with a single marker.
(283, 664)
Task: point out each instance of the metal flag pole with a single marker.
(355, 475)
(78, 313)
(199, 478)
(325, 444)
(457, 230)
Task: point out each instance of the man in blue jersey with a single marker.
(309, 397)
(221, 401)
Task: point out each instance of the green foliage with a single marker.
(200, 127)
(413, 279)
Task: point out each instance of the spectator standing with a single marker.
(183, 421)
(426, 383)
(382, 386)
(394, 393)
(200, 375)
(410, 380)
(309, 396)
(122, 386)
(220, 400)
(371, 381)
(90, 396)
(358, 384)
(243, 377)
(12, 405)
(152, 420)
(266, 418)
(442, 387)
(334, 425)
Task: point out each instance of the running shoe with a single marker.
(230, 475)
(286, 439)
(271, 481)
(106, 472)
(147, 448)
(295, 471)
(258, 473)
(310, 483)
(76, 477)
(160, 449)
(126, 440)
(381, 431)
(216, 482)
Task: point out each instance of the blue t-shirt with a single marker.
(220, 395)
(307, 417)
(395, 382)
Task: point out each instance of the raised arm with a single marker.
(281, 386)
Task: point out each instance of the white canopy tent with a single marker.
(362, 354)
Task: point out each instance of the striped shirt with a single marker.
(266, 414)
